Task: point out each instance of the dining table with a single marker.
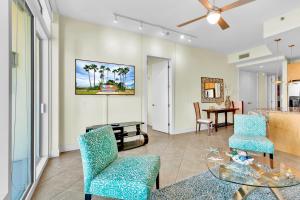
(216, 112)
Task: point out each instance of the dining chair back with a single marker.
(200, 121)
(239, 105)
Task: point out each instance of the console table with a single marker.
(216, 111)
(126, 140)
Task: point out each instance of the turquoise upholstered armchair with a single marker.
(250, 135)
(107, 175)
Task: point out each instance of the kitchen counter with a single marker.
(291, 109)
(284, 129)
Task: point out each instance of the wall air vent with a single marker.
(243, 56)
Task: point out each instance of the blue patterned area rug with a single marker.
(206, 187)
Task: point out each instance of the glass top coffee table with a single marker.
(252, 176)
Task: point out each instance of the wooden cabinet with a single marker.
(284, 131)
(294, 71)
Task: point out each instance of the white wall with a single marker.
(92, 42)
(191, 65)
(5, 98)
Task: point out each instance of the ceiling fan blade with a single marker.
(235, 4)
(223, 24)
(206, 4)
(191, 21)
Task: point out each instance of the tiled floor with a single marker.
(182, 156)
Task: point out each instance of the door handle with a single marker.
(249, 103)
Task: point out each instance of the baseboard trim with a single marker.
(67, 148)
(54, 153)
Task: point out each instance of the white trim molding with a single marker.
(66, 148)
(189, 130)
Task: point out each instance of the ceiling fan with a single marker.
(213, 15)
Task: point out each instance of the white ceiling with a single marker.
(287, 38)
(246, 22)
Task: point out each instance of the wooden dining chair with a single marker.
(239, 105)
(200, 121)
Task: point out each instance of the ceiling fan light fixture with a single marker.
(213, 17)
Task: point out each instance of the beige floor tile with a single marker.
(182, 156)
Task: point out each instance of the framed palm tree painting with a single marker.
(101, 78)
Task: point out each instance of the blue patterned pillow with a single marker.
(98, 149)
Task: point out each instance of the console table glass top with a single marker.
(117, 125)
(257, 174)
(126, 140)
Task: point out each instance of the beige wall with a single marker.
(92, 42)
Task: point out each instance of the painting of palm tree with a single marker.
(126, 71)
(114, 72)
(109, 78)
(87, 69)
(101, 72)
(107, 71)
(94, 68)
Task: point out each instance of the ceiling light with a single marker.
(213, 17)
(182, 37)
(164, 33)
(261, 66)
(115, 19)
(141, 26)
(189, 40)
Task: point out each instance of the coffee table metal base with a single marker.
(244, 191)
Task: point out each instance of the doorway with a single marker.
(260, 85)
(158, 94)
(248, 82)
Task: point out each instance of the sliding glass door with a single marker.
(22, 99)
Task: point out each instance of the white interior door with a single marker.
(160, 95)
(248, 90)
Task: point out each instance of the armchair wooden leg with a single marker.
(157, 181)
(264, 154)
(230, 149)
(271, 161)
(88, 197)
(196, 127)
